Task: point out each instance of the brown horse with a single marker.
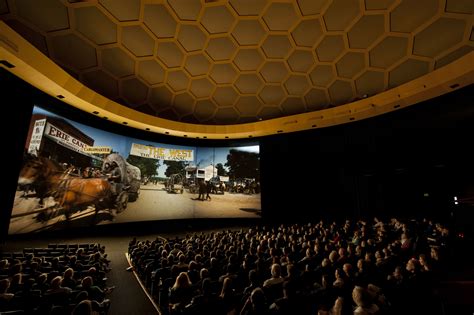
(71, 194)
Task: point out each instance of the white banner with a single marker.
(36, 136)
(64, 138)
(224, 178)
(157, 153)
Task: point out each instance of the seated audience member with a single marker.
(424, 264)
(289, 304)
(436, 264)
(254, 283)
(56, 287)
(95, 293)
(276, 277)
(379, 298)
(83, 308)
(68, 279)
(273, 287)
(16, 283)
(42, 283)
(4, 294)
(181, 293)
(412, 269)
(97, 308)
(88, 307)
(339, 282)
(203, 275)
(228, 299)
(363, 302)
(204, 303)
(193, 273)
(57, 294)
(405, 244)
(256, 304)
(340, 307)
(4, 267)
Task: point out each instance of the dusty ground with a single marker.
(154, 203)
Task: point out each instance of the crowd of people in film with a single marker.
(320, 268)
(204, 189)
(207, 187)
(60, 279)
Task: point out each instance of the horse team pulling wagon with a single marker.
(73, 194)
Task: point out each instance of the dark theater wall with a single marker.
(407, 163)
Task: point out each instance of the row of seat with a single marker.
(53, 250)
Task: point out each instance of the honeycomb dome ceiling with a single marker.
(240, 61)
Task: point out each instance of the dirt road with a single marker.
(154, 203)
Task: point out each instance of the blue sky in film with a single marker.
(203, 156)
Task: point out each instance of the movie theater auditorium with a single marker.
(237, 157)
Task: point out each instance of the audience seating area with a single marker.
(59, 279)
(359, 267)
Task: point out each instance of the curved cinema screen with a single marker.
(77, 175)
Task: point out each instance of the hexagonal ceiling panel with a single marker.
(229, 62)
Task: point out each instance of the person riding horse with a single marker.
(119, 192)
(114, 175)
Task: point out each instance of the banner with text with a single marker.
(158, 153)
(36, 136)
(98, 150)
(63, 138)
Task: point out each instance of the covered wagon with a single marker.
(131, 175)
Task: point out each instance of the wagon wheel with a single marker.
(122, 201)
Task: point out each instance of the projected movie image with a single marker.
(77, 176)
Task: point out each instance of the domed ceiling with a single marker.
(240, 61)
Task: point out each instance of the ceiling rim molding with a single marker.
(40, 71)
